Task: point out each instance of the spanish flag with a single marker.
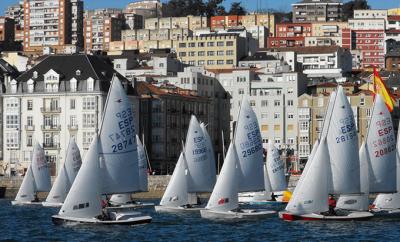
(380, 88)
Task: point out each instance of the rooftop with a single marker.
(259, 56)
(307, 49)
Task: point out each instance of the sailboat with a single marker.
(333, 168)
(274, 181)
(110, 167)
(120, 202)
(66, 176)
(242, 171)
(37, 179)
(198, 169)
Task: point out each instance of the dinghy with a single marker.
(223, 203)
(274, 182)
(122, 202)
(66, 176)
(334, 168)
(110, 167)
(242, 171)
(37, 179)
(378, 160)
(196, 170)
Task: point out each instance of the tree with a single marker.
(237, 9)
(181, 8)
(349, 7)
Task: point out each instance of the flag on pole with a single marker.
(380, 88)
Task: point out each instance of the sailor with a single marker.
(273, 197)
(36, 199)
(332, 205)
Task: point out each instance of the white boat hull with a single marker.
(128, 207)
(389, 213)
(260, 198)
(287, 216)
(119, 219)
(166, 209)
(19, 203)
(243, 214)
(49, 204)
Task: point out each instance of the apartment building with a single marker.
(101, 28)
(371, 14)
(61, 97)
(7, 29)
(267, 20)
(393, 22)
(145, 8)
(77, 23)
(50, 23)
(133, 21)
(290, 35)
(312, 111)
(317, 11)
(212, 50)
(326, 34)
(188, 22)
(16, 12)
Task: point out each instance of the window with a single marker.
(200, 62)
(90, 84)
(290, 102)
(264, 103)
(88, 137)
(73, 84)
(320, 102)
(182, 45)
(30, 86)
(368, 112)
(304, 139)
(241, 91)
(200, 44)
(182, 54)
(220, 62)
(12, 121)
(210, 53)
(290, 116)
(304, 126)
(89, 120)
(29, 140)
(290, 90)
(362, 101)
(277, 103)
(192, 44)
(229, 52)
(264, 127)
(264, 115)
(72, 120)
(210, 44)
(12, 139)
(220, 43)
(290, 141)
(29, 105)
(220, 53)
(192, 53)
(89, 103)
(277, 115)
(210, 62)
(229, 62)
(201, 53)
(277, 140)
(229, 43)
(72, 104)
(29, 121)
(78, 72)
(278, 92)
(252, 103)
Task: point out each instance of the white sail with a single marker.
(196, 154)
(211, 156)
(311, 194)
(118, 143)
(176, 193)
(66, 175)
(276, 169)
(381, 148)
(40, 169)
(119, 199)
(225, 194)
(343, 141)
(248, 144)
(84, 197)
(391, 200)
(27, 190)
(358, 202)
(328, 114)
(143, 173)
(267, 182)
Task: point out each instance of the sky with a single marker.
(249, 4)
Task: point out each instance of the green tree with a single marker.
(237, 9)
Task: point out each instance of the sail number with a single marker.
(347, 131)
(384, 151)
(121, 146)
(252, 150)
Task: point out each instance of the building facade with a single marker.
(317, 11)
(145, 8)
(290, 35)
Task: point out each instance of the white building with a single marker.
(61, 97)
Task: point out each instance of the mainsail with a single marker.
(276, 169)
(40, 169)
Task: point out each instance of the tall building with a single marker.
(61, 97)
(290, 35)
(77, 22)
(50, 23)
(317, 11)
(16, 12)
(102, 26)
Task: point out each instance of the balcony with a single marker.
(50, 110)
(51, 127)
(51, 146)
(72, 127)
(29, 127)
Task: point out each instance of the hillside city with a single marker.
(57, 62)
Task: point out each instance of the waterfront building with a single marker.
(317, 11)
(51, 23)
(61, 97)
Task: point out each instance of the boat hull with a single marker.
(387, 213)
(244, 214)
(60, 220)
(165, 209)
(50, 204)
(20, 203)
(128, 207)
(287, 216)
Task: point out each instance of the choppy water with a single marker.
(33, 223)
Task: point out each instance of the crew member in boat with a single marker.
(332, 205)
(273, 197)
(36, 198)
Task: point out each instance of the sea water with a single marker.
(33, 223)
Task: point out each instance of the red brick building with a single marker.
(290, 35)
(369, 42)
